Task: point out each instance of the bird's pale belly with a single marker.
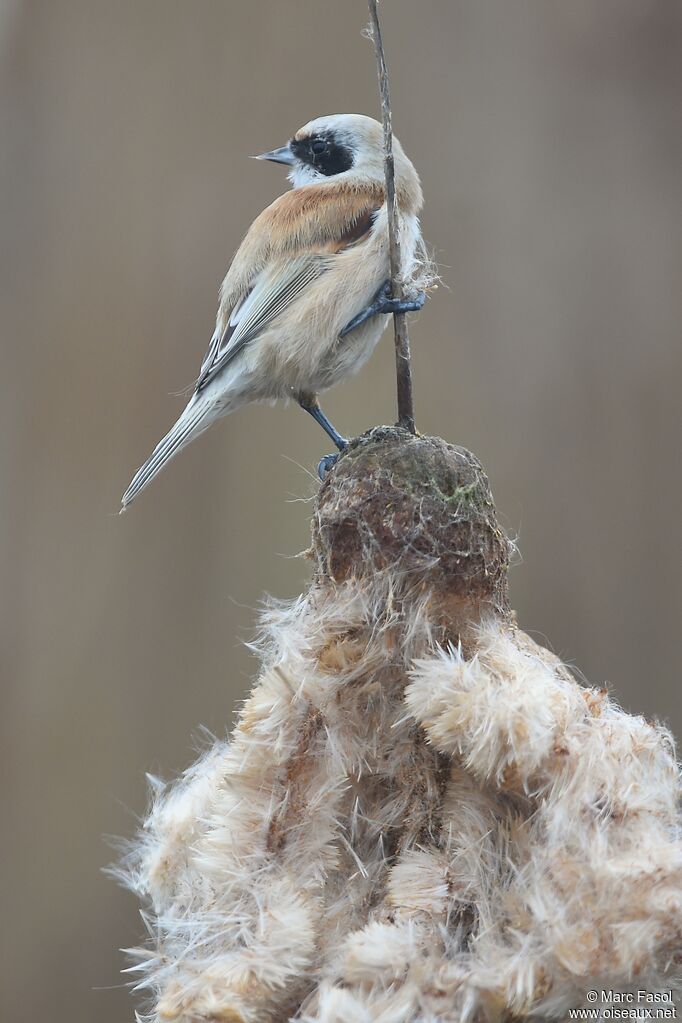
(310, 358)
(348, 355)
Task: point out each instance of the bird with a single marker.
(308, 293)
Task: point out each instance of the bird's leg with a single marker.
(311, 405)
(383, 303)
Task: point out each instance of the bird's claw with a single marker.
(383, 304)
(325, 464)
(400, 305)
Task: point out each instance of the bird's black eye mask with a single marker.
(324, 153)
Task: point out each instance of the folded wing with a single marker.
(288, 247)
(272, 291)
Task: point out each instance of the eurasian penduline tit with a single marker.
(306, 298)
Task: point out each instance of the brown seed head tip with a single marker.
(415, 504)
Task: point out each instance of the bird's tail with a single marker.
(193, 421)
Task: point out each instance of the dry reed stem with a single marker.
(401, 334)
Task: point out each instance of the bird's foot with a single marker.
(325, 464)
(383, 304)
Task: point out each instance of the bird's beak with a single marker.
(282, 155)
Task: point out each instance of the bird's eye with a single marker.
(318, 147)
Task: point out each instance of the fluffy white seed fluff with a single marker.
(400, 832)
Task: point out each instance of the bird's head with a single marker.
(345, 148)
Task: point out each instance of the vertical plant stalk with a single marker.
(402, 339)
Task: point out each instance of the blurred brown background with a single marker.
(549, 138)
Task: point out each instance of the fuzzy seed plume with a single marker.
(421, 816)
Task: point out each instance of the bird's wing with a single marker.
(272, 291)
(287, 248)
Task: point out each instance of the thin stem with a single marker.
(402, 340)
